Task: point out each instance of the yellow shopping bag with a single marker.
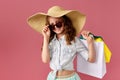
(107, 52)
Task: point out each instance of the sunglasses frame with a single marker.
(58, 25)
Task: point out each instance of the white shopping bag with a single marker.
(96, 69)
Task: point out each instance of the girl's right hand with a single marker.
(46, 32)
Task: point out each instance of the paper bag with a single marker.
(107, 52)
(96, 69)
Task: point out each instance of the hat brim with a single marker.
(38, 20)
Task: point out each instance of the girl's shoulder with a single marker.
(77, 40)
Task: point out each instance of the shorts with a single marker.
(74, 76)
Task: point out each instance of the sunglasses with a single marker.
(58, 25)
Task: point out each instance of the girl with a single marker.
(60, 43)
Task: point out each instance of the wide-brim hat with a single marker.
(38, 20)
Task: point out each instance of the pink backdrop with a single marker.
(20, 54)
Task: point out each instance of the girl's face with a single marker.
(56, 25)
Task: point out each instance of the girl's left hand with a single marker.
(86, 35)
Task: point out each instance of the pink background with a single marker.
(20, 53)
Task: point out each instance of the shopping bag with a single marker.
(96, 69)
(107, 52)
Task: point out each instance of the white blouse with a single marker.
(62, 55)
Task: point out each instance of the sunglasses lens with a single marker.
(52, 27)
(58, 25)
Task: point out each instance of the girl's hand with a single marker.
(46, 32)
(91, 48)
(86, 35)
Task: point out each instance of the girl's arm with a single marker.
(91, 48)
(45, 49)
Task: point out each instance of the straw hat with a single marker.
(38, 20)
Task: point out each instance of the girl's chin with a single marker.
(58, 31)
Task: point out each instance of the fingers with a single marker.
(85, 33)
(45, 29)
